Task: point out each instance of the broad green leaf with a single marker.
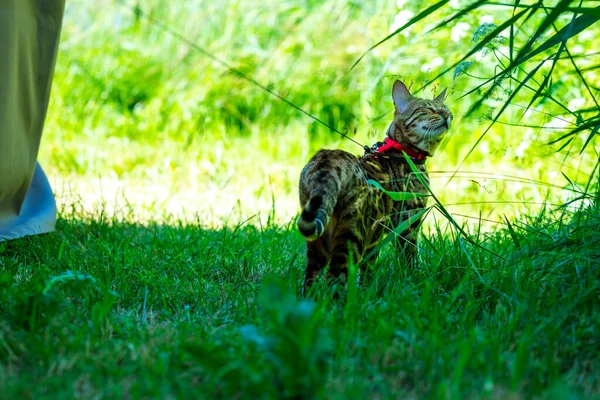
(397, 196)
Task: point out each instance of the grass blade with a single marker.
(460, 13)
(411, 22)
(397, 196)
(498, 114)
(591, 124)
(580, 24)
(589, 138)
(480, 45)
(445, 212)
(512, 233)
(403, 226)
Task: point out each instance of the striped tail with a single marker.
(314, 218)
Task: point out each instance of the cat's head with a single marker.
(419, 123)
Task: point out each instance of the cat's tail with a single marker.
(314, 218)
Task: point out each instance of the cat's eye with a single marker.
(424, 110)
(418, 111)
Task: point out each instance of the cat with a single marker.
(342, 211)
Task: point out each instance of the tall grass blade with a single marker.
(591, 124)
(512, 233)
(480, 45)
(402, 227)
(577, 26)
(546, 23)
(580, 24)
(499, 113)
(412, 21)
(459, 14)
(397, 196)
(446, 213)
(589, 138)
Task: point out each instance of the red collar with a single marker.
(389, 144)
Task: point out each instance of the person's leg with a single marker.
(30, 31)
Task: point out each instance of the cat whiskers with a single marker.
(429, 133)
(434, 132)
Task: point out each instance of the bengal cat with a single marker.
(342, 210)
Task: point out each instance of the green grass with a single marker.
(136, 109)
(179, 310)
(175, 270)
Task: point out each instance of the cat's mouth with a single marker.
(438, 128)
(443, 126)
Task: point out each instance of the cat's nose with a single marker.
(443, 113)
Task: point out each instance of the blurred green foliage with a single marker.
(135, 103)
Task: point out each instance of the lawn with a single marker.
(175, 269)
(109, 309)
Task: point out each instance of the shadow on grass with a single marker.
(112, 309)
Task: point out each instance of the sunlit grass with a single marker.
(136, 111)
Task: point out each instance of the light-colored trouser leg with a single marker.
(29, 35)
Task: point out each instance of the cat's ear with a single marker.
(401, 96)
(440, 97)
